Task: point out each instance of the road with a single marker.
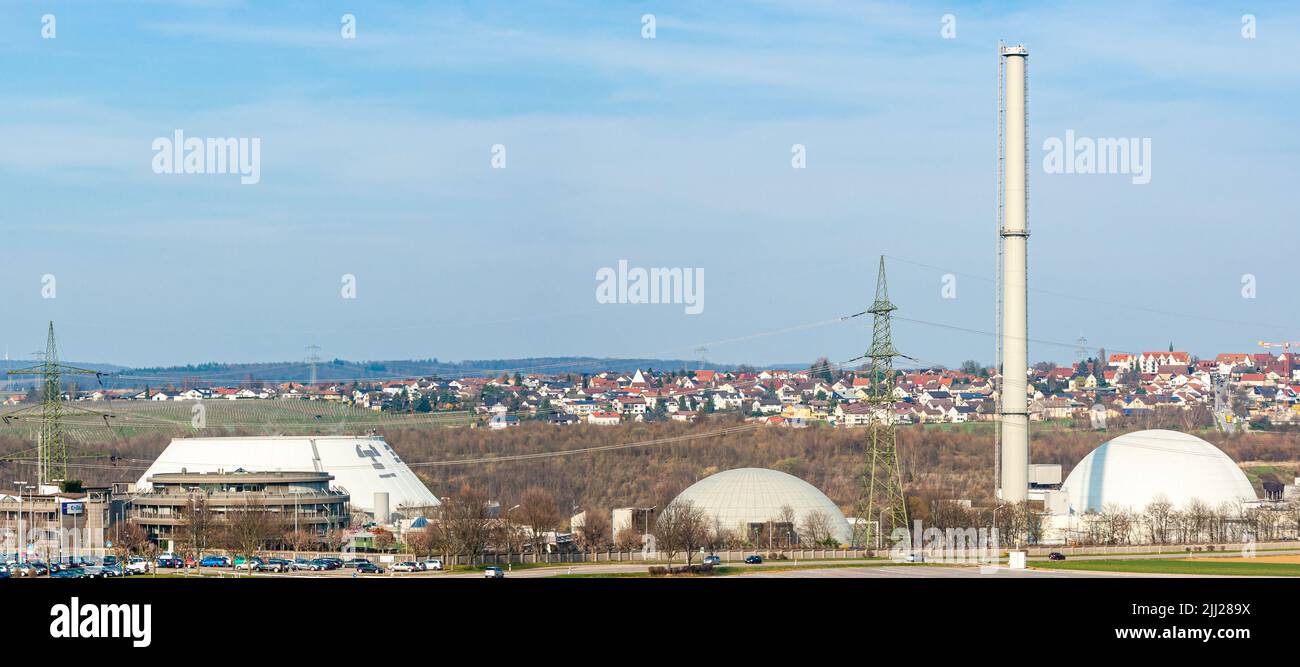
(770, 569)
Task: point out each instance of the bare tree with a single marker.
(816, 528)
(300, 539)
(422, 542)
(539, 514)
(249, 528)
(786, 517)
(131, 539)
(1158, 517)
(1118, 521)
(722, 537)
(681, 527)
(468, 525)
(198, 527)
(594, 534)
(334, 539)
(628, 539)
(1196, 514)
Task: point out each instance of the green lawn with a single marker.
(1177, 566)
(741, 570)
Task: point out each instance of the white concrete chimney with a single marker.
(1015, 302)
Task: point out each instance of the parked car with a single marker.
(322, 564)
(249, 564)
(137, 565)
(69, 573)
(431, 565)
(406, 566)
(172, 562)
(301, 564)
(1056, 555)
(914, 558)
(214, 561)
(41, 568)
(493, 572)
(335, 563)
(353, 562)
(24, 570)
(114, 570)
(755, 559)
(369, 568)
(712, 559)
(4, 571)
(272, 565)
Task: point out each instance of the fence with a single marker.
(494, 558)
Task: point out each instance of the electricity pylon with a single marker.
(313, 359)
(882, 496)
(51, 448)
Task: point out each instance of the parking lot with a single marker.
(219, 566)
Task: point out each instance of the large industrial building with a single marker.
(748, 499)
(46, 523)
(366, 467)
(1131, 471)
(304, 501)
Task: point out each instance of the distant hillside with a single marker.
(341, 370)
(9, 382)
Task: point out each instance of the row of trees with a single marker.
(1160, 522)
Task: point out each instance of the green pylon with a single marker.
(52, 449)
(882, 498)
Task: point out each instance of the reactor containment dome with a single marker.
(363, 465)
(744, 496)
(1135, 468)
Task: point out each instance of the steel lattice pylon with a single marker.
(51, 447)
(882, 502)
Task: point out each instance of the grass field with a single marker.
(1235, 567)
(739, 570)
(223, 417)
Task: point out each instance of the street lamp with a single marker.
(995, 525)
(510, 539)
(645, 537)
(58, 507)
(31, 510)
(18, 548)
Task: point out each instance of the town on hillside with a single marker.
(1233, 390)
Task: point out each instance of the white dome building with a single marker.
(744, 496)
(1136, 468)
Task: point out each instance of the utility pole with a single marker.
(313, 357)
(703, 352)
(883, 482)
(51, 448)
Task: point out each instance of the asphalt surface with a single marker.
(769, 569)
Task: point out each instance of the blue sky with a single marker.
(670, 152)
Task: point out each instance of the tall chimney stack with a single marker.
(1015, 304)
